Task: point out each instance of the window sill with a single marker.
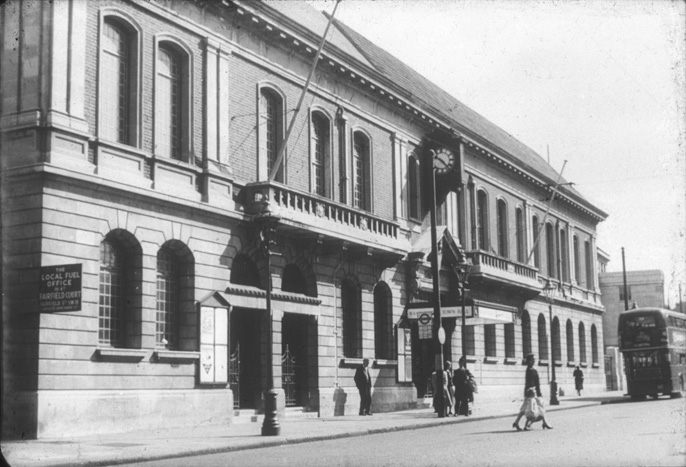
(511, 361)
(543, 362)
(490, 359)
(596, 365)
(470, 359)
(175, 355)
(349, 361)
(558, 363)
(115, 354)
(583, 364)
(382, 362)
(571, 364)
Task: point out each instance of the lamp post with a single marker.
(439, 332)
(266, 220)
(549, 294)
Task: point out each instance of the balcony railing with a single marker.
(502, 269)
(326, 216)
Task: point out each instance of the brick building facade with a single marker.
(137, 137)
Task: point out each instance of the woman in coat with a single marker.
(578, 379)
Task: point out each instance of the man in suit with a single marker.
(363, 381)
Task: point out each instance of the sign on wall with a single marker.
(214, 340)
(60, 288)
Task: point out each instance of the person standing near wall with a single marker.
(578, 380)
(463, 389)
(363, 381)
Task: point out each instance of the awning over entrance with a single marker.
(244, 296)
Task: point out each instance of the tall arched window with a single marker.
(526, 333)
(550, 250)
(361, 171)
(171, 102)
(588, 259)
(166, 317)
(577, 265)
(520, 234)
(594, 344)
(270, 133)
(582, 343)
(482, 220)
(502, 228)
(570, 341)
(542, 338)
(118, 86)
(384, 342)
(112, 299)
(557, 347)
(351, 304)
(564, 256)
(293, 280)
(413, 191)
(321, 154)
(535, 226)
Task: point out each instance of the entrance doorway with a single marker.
(298, 358)
(246, 343)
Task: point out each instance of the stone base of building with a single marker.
(63, 414)
(346, 400)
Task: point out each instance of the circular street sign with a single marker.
(441, 335)
(424, 318)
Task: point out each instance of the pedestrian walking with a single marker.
(451, 387)
(464, 393)
(363, 381)
(442, 389)
(578, 380)
(531, 381)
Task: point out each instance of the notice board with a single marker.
(60, 288)
(214, 340)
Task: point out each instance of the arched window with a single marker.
(384, 343)
(120, 300)
(321, 154)
(270, 133)
(520, 234)
(244, 272)
(557, 347)
(118, 85)
(172, 102)
(535, 226)
(594, 344)
(577, 265)
(588, 258)
(570, 341)
(351, 304)
(413, 191)
(293, 280)
(550, 249)
(166, 317)
(482, 220)
(112, 298)
(510, 340)
(564, 256)
(448, 214)
(526, 333)
(582, 343)
(361, 171)
(542, 338)
(502, 228)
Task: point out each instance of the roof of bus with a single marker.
(662, 311)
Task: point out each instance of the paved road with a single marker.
(649, 433)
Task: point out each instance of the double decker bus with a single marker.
(653, 342)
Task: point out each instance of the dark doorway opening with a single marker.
(246, 335)
(296, 358)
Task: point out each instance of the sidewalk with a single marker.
(194, 440)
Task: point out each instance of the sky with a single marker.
(597, 83)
